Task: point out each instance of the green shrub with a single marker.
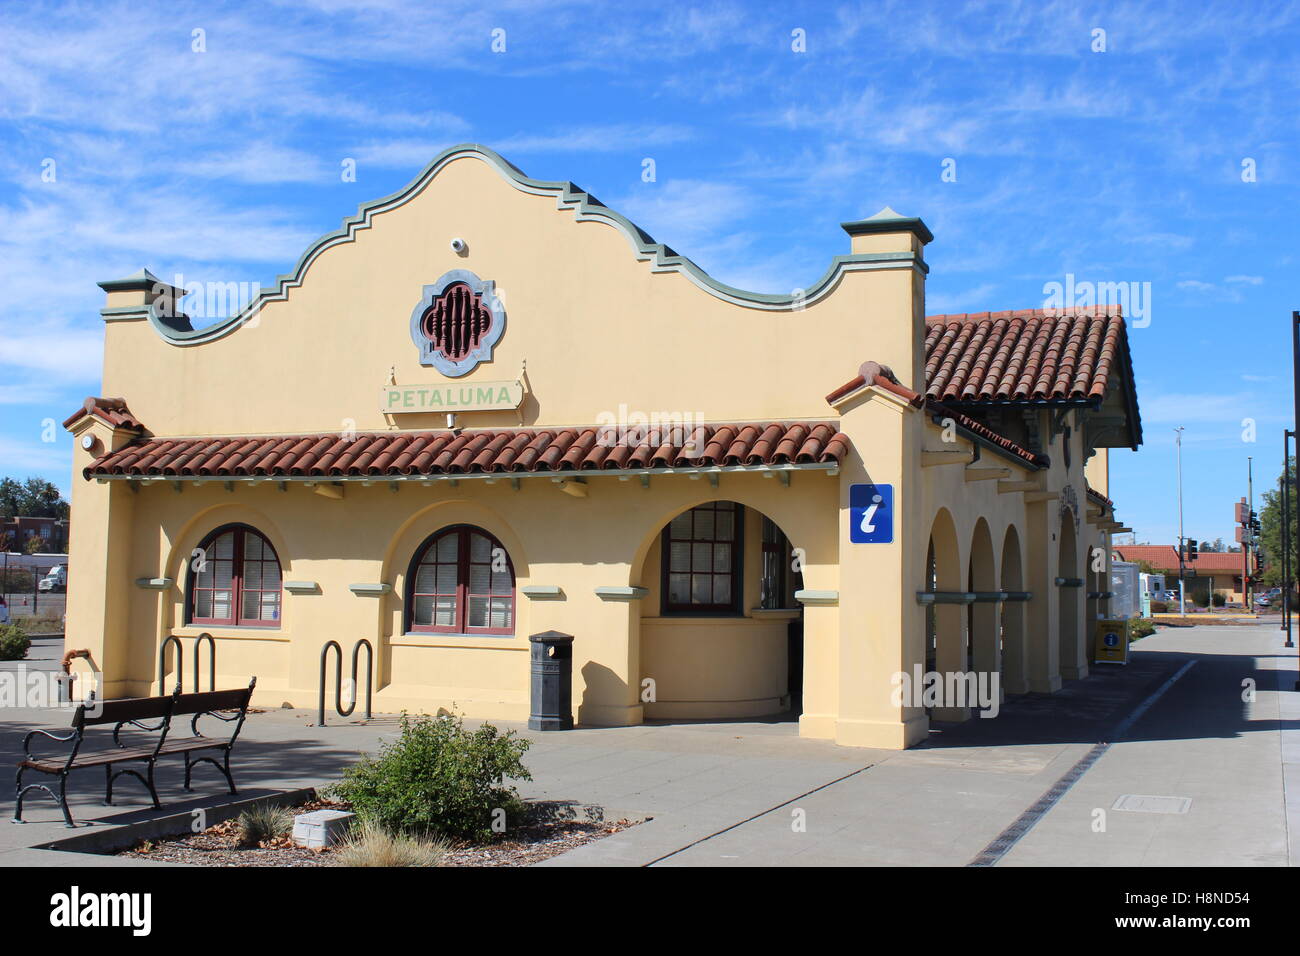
(369, 844)
(439, 778)
(263, 822)
(13, 642)
(17, 580)
(1220, 599)
(1159, 607)
(1140, 627)
(1202, 599)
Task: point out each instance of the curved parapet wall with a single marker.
(568, 196)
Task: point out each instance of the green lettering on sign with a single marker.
(479, 397)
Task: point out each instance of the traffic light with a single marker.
(1191, 549)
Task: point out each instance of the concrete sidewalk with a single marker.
(755, 794)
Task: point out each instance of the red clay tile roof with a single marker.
(1165, 557)
(1029, 355)
(882, 376)
(1101, 499)
(988, 434)
(399, 454)
(112, 411)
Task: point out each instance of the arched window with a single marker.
(701, 557)
(235, 580)
(461, 582)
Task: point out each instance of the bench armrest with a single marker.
(194, 723)
(27, 749)
(139, 725)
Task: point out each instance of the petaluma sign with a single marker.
(457, 323)
(473, 397)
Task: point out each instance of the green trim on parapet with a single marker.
(178, 331)
(887, 221)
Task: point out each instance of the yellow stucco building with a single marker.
(489, 406)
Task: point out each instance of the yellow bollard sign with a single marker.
(1111, 643)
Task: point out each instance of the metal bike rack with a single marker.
(212, 661)
(338, 678)
(180, 661)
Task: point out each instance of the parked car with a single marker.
(55, 580)
(1270, 598)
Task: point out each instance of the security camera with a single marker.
(459, 246)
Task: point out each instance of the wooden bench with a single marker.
(209, 704)
(150, 715)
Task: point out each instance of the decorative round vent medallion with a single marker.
(457, 323)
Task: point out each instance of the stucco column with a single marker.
(881, 624)
(1072, 600)
(1041, 635)
(821, 652)
(607, 656)
(99, 559)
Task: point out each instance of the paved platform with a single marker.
(752, 793)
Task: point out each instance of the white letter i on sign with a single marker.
(867, 527)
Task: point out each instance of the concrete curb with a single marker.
(112, 839)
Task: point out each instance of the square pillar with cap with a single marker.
(99, 550)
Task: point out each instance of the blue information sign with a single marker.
(871, 514)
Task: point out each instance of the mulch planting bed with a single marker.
(220, 845)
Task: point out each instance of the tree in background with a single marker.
(33, 498)
(1270, 522)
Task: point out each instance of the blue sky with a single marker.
(1115, 165)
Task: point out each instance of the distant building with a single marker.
(1211, 571)
(16, 532)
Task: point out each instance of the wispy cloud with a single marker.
(605, 139)
(21, 457)
(1122, 165)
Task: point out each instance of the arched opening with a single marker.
(461, 581)
(1098, 578)
(721, 632)
(1071, 583)
(1014, 651)
(234, 580)
(946, 647)
(982, 616)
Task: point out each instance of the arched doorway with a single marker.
(1014, 651)
(1098, 577)
(982, 616)
(1070, 584)
(946, 648)
(721, 632)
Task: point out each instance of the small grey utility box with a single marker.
(322, 827)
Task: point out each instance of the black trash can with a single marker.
(552, 681)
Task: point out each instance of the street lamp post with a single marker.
(1286, 464)
(1246, 588)
(1182, 590)
(1286, 535)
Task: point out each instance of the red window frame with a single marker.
(237, 579)
(712, 540)
(463, 563)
